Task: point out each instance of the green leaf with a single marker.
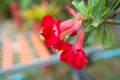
(104, 11)
(99, 35)
(89, 3)
(98, 8)
(111, 38)
(89, 12)
(88, 27)
(95, 22)
(93, 2)
(114, 5)
(83, 8)
(76, 5)
(107, 37)
(87, 35)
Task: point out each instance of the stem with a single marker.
(87, 35)
(86, 38)
(114, 22)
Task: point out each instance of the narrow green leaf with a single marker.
(98, 8)
(114, 5)
(88, 27)
(83, 8)
(105, 11)
(89, 3)
(111, 38)
(87, 35)
(107, 37)
(90, 12)
(94, 2)
(99, 35)
(108, 29)
(76, 5)
(95, 22)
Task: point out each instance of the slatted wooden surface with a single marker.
(7, 56)
(24, 52)
(40, 47)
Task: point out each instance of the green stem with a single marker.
(110, 21)
(86, 38)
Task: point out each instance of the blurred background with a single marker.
(22, 17)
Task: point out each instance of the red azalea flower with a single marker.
(51, 30)
(75, 55)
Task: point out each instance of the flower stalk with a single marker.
(113, 22)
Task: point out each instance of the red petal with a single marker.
(51, 41)
(57, 28)
(48, 21)
(66, 25)
(84, 58)
(80, 40)
(81, 59)
(64, 55)
(50, 38)
(62, 45)
(70, 60)
(77, 61)
(75, 29)
(75, 58)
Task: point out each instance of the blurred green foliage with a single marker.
(4, 4)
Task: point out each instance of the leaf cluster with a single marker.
(95, 12)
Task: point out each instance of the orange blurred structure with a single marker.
(22, 50)
(7, 56)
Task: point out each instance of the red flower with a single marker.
(75, 55)
(51, 30)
